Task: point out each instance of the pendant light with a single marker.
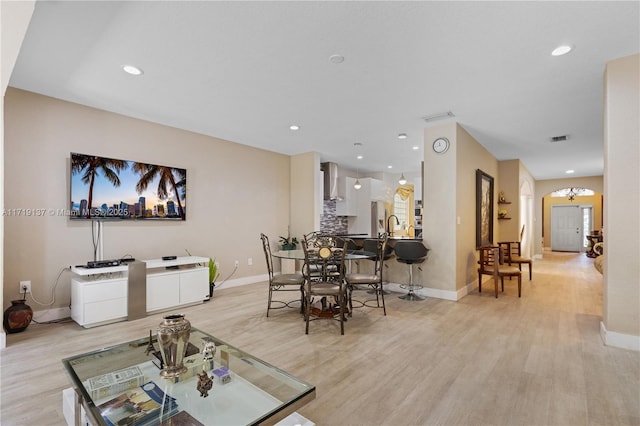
(402, 180)
(357, 184)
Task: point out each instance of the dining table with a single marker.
(350, 255)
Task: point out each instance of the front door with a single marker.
(566, 228)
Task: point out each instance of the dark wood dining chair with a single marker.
(490, 264)
(281, 282)
(512, 251)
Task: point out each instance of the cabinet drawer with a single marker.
(115, 289)
(105, 310)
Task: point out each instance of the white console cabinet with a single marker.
(100, 295)
(96, 302)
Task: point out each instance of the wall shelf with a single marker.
(504, 218)
(504, 202)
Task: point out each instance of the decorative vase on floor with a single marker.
(173, 338)
(17, 317)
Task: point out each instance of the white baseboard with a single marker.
(619, 340)
(51, 314)
(242, 281)
(3, 339)
(425, 291)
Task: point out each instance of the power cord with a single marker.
(53, 291)
(235, 268)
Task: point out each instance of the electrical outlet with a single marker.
(25, 285)
(250, 261)
(237, 263)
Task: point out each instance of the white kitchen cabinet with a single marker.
(348, 204)
(370, 191)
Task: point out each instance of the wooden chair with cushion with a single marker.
(372, 280)
(324, 273)
(512, 251)
(281, 282)
(490, 264)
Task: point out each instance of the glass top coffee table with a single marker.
(122, 385)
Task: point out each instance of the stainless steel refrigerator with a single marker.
(378, 218)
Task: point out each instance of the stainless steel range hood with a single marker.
(330, 180)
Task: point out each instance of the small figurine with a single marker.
(150, 349)
(208, 350)
(204, 384)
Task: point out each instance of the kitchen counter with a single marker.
(360, 237)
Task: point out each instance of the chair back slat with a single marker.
(267, 254)
(324, 259)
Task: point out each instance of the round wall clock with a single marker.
(441, 145)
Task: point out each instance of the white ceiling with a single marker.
(245, 71)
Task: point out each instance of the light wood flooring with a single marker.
(538, 360)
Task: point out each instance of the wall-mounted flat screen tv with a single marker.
(106, 188)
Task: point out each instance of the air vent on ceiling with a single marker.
(439, 116)
(560, 138)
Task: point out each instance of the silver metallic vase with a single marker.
(173, 338)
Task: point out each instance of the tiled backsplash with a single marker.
(329, 222)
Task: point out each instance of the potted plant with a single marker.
(289, 243)
(213, 275)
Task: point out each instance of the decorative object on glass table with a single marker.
(222, 375)
(204, 384)
(150, 348)
(147, 404)
(208, 349)
(173, 338)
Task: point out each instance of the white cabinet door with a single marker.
(348, 205)
(194, 286)
(163, 291)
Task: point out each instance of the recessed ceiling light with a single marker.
(359, 157)
(402, 136)
(294, 127)
(131, 69)
(570, 172)
(336, 59)
(415, 148)
(389, 167)
(561, 50)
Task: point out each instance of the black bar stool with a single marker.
(410, 252)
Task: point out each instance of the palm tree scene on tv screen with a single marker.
(109, 188)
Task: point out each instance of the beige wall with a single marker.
(471, 156)
(14, 20)
(439, 212)
(306, 194)
(621, 310)
(234, 192)
(509, 172)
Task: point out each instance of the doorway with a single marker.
(567, 228)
